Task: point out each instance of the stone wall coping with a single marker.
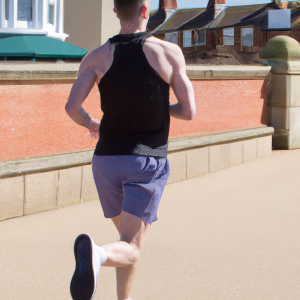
(84, 157)
(227, 72)
(219, 138)
(68, 71)
(38, 71)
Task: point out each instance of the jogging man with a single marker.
(134, 73)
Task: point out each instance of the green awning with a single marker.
(39, 46)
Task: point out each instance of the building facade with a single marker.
(90, 24)
(84, 24)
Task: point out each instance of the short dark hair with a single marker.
(127, 9)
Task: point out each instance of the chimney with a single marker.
(168, 4)
(218, 6)
(215, 2)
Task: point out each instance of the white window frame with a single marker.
(39, 23)
(3, 21)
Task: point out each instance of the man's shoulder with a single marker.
(95, 60)
(167, 47)
(97, 55)
(169, 51)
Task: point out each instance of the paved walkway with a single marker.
(229, 235)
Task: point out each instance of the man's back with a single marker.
(163, 56)
(134, 101)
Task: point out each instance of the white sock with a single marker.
(102, 254)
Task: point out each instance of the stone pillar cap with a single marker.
(281, 48)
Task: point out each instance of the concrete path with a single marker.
(229, 235)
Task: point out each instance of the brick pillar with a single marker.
(180, 39)
(237, 38)
(211, 40)
(256, 37)
(262, 41)
(220, 37)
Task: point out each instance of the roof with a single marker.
(179, 18)
(253, 15)
(202, 20)
(39, 46)
(156, 20)
(234, 14)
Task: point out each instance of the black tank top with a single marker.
(135, 103)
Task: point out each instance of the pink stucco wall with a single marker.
(33, 121)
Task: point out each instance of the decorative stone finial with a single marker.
(281, 48)
(282, 54)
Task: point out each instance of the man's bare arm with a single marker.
(87, 77)
(80, 90)
(185, 109)
(91, 70)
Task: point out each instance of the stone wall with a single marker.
(34, 121)
(45, 158)
(90, 23)
(46, 183)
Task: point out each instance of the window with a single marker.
(200, 37)
(187, 39)
(172, 37)
(247, 36)
(228, 37)
(42, 17)
(24, 10)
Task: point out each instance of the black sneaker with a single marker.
(84, 281)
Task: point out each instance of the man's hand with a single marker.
(94, 133)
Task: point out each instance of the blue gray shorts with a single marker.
(130, 183)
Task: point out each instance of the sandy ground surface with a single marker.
(229, 235)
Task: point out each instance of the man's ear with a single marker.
(145, 12)
(114, 10)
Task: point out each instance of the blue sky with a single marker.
(203, 3)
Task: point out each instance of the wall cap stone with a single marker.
(84, 157)
(227, 72)
(219, 138)
(68, 71)
(38, 71)
(45, 163)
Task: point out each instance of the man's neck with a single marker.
(128, 27)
